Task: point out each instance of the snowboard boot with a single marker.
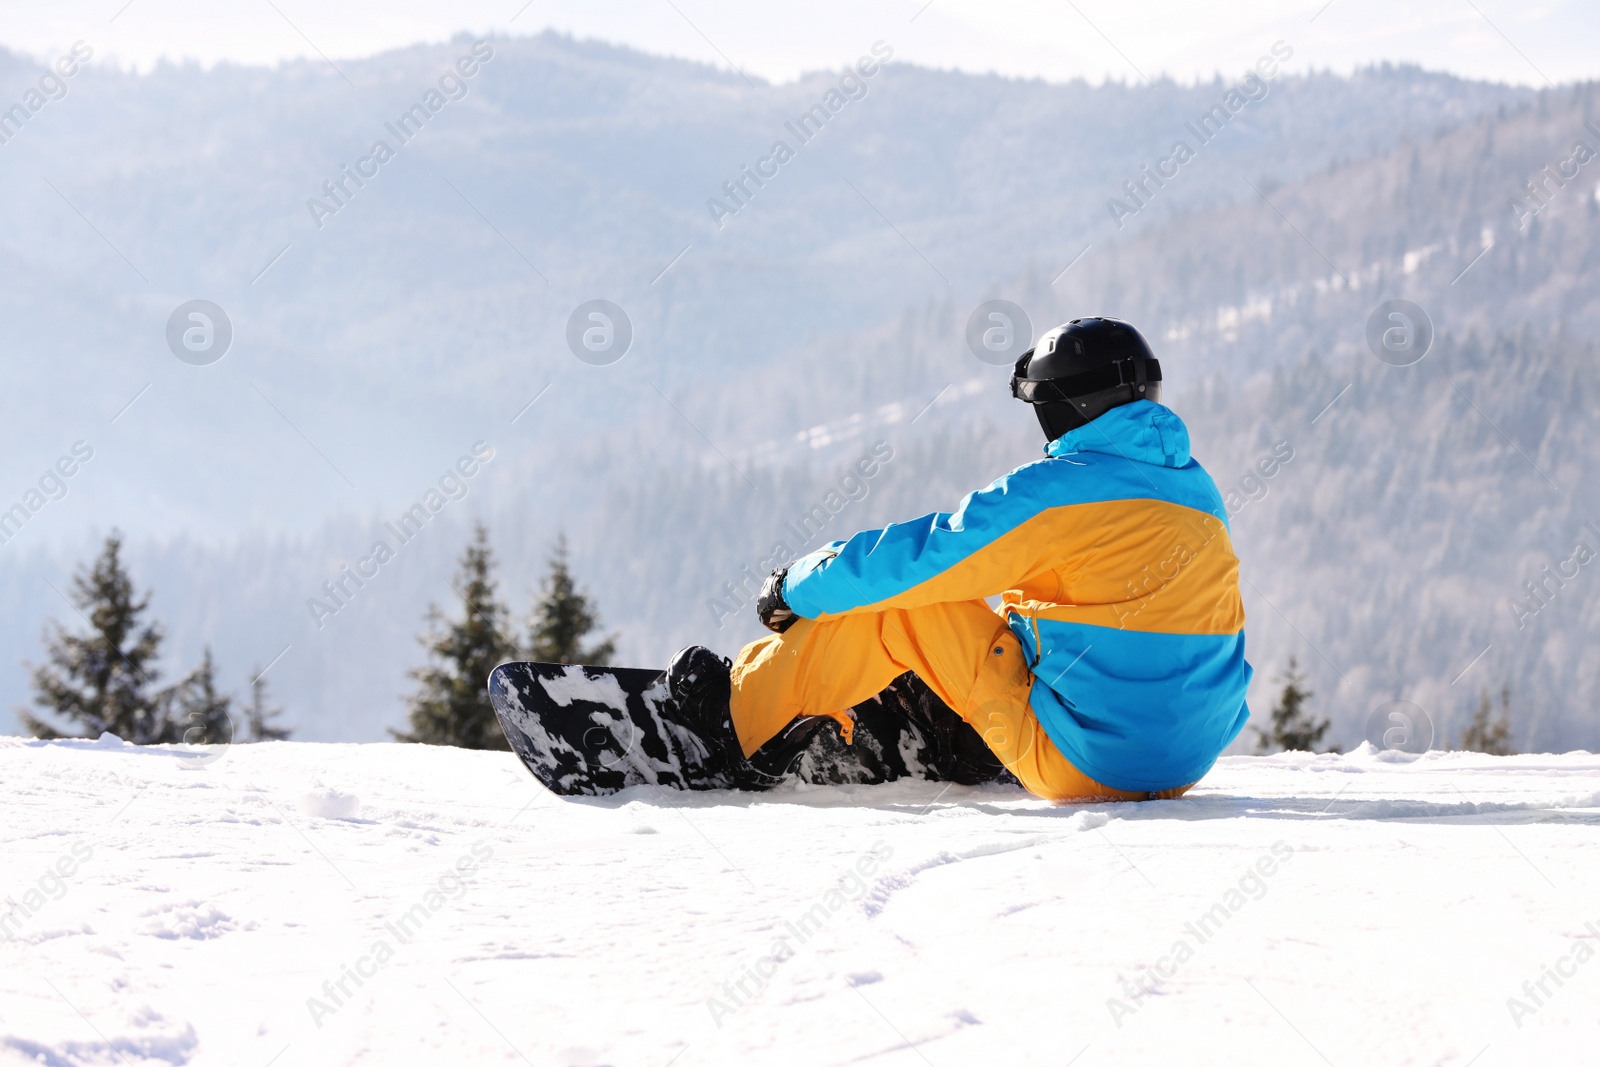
(699, 681)
(777, 759)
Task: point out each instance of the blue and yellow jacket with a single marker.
(1115, 570)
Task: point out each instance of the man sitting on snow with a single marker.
(1114, 668)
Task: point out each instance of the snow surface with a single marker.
(1363, 911)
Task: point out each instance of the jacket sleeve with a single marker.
(938, 558)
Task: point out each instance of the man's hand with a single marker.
(773, 610)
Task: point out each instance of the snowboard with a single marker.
(590, 731)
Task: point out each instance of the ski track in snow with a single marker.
(1349, 909)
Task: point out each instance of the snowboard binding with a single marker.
(698, 680)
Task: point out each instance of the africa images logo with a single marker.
(199, 332)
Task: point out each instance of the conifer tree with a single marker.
(201, 715)
(104, 681)
(260, 718)
(1485, 735)
(563, 617)
(1292, 728)
(451, 705)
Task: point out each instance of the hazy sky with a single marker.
(1525, 41)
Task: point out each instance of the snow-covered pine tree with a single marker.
(1292, 728)
(451, 705)
(1485, 735)
(201, 715)
(260, 717)
(104, 681)
(563, 617)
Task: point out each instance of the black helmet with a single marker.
(1081, 370)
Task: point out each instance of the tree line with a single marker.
(451, 704)
(108, 681)
(105, 678)
(1291, 727)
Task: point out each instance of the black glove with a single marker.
(771, 608)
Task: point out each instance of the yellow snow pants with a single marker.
(963, 650)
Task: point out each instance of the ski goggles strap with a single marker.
(1062, 390)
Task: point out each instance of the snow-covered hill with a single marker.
(331, 904)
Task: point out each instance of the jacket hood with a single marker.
(1143, 430)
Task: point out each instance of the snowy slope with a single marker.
(1304, 910)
